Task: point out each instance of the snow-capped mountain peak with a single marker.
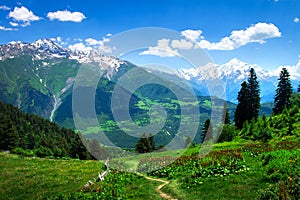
(234, 69)
(235, 61)
(233, 73)
(50, 47)
(46, 44)
(235, 65)
(47, 48)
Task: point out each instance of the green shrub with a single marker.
(227, 134)
(269, 193)
(23, 152)
(43, 152)
(282, 169)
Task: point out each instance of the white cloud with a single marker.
(224, 44)
(108, 35)
(92, 41)
(293, 70)
(4, 7)
(58, 39)
(78, 39)
(204, 44)
(90, 44)
(2, 28)
(66, 16)
(24, 15)
(25, 24)
(192, 35)
(106, 49)
(13, 24)
(79, 47)
(100, 44)
(181, 44)
(256, 33)
(105, 39)
(296, 20)
(162, 49)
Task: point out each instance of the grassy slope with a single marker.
(33, 178)
(236, 186)
(244, 185)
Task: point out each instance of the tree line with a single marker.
(31, 135)
(285, 118)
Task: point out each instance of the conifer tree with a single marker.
(254, 95)
(142, 146)
(226, 117)
(8, 133)
(151, 143)
(262, 131)
(206, 131)
(283, 92)
(242, 110)
(248, 101)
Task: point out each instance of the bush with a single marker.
(270, 192)
(282, 169)
(59, 153)
(227, 134)
(23, 152)
(43, 152)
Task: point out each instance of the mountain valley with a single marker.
(39, 77)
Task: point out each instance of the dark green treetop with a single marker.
(241, 113)
(254, 95)
(283, 92)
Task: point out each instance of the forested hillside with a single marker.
(30, 134)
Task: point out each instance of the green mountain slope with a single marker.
(32, 135)
(40, 81)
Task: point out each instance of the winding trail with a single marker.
(158, 188)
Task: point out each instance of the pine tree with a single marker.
(254, 95)
(206, 131)
(226, 117)
(283, 92)
(151, 143)
(8, 133)
(78, 150)
(262, 131)
(142, 146)
(242, 110)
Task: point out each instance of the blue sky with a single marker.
(263, 32)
